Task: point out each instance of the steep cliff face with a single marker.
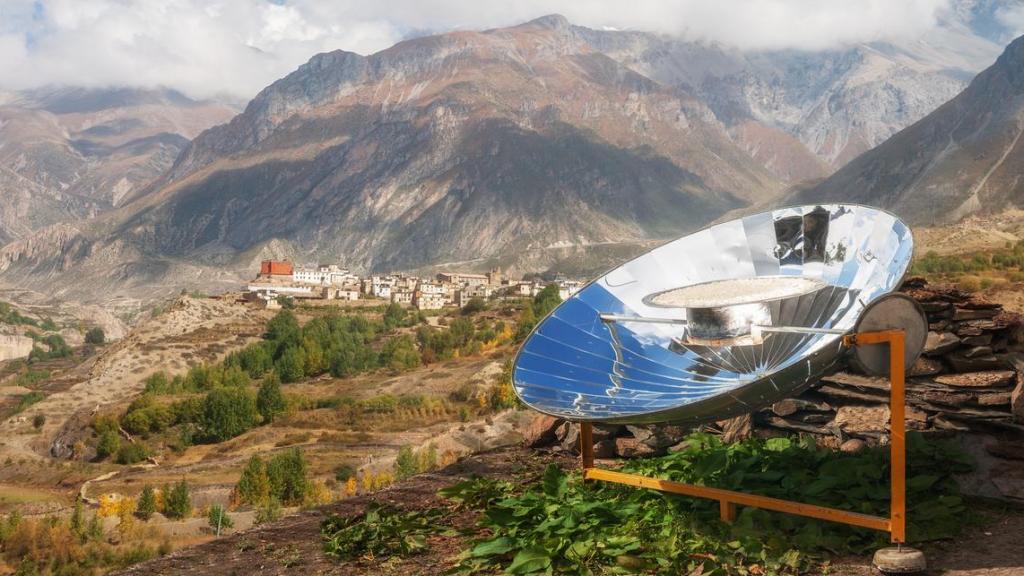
(963, 158)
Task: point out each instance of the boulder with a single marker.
(631, 447)
(607, 431)
(568, 435)
(541, 431)
(658, 436)
(605, 448)
(853, 446)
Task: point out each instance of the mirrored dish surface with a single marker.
(805, 267)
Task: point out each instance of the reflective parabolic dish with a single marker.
(700, 359)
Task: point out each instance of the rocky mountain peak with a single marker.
(549, 22)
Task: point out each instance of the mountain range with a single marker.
(512, 146)
(961, 159)
(72, 153)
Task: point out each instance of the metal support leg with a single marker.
(727, 510)
(586, 446)
(898, 440)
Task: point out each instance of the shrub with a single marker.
(38, 421)
(218, 518)
(385, 403)
(95, 335)
(343, 472)
(157, 383)
(177, 502)
(131, 453)
(269, 512)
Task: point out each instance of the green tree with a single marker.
(474, 306)
(269, 399)
(254, 485)
(546, 300)
(394, 316)
(399, 353)
(177, 501)
(228, 412)
(283, 330)
(406, 463)
(462, 331)
(78, 520)
(95, 336)
(291, 366)
(147, 503)
(527, 320)
(287, 474)
(108, 444)
(218, 519)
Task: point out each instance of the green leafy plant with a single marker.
(560, 525)
(382, 531)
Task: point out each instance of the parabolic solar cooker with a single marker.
(726, 320)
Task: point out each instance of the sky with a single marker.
(209, 48)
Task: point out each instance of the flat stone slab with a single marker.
(863, 418)
(984, 379)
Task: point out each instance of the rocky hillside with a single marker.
(467, 144)
(804, 114)
(71, 153)
(509, 146)
(959, 160)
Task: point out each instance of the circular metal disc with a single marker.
(891, 312)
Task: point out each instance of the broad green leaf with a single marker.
(529, 560)
(493, 547)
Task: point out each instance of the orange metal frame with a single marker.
(895, 524)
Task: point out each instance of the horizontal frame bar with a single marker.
(727, 497)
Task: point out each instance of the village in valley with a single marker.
(278, 281)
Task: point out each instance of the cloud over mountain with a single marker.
(207, 48)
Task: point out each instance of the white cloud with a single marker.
(206, 47)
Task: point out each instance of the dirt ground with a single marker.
(990, 547)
